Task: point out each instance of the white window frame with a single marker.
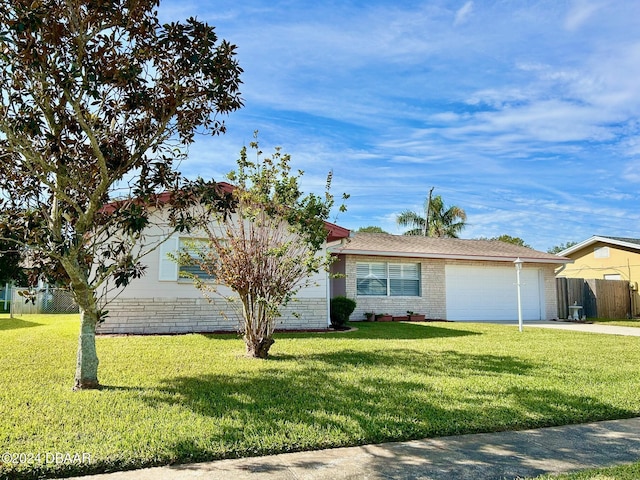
(168, 269)
(392, 272)
(183, 244)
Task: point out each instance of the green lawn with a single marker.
(635, 322)
(171, 399)
(620, 472)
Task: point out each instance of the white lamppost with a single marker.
(518, 263)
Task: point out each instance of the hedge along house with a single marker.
(164, 302)
(444, 278)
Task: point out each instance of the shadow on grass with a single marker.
(352, 398)
(15, 323)
(383, 330)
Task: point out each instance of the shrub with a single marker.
(341, 308)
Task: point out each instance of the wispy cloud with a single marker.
(463, 13)
(581, 12)
(524, 114)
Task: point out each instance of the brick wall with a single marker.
(432, 301)
(186, 315)
(432, 283)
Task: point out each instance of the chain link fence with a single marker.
(26, 300)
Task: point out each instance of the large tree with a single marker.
(437, 220)
(11, 259)
(268, 249)
(97, 102)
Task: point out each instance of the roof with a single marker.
(382, 244)
(334, 232)
(633, 243)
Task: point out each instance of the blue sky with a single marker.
(523, 113)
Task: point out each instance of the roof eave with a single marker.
(450, 256)
(596, 239)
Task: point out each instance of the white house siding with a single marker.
(149, 305)
(433, 301)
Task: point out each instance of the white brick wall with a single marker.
(431, 302)
(184, 315)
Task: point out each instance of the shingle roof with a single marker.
(623, 239)
(382, 244)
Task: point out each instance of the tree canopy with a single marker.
(508, 239)
(372, 229)
(563, 246)
(97, 102)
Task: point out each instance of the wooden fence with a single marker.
(599, 298)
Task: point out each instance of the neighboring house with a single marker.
(606, 258)
(444, 278)
(164, 302)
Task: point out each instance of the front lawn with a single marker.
(172, 399)
(633, 322)
(619, 472)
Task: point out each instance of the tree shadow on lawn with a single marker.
(16, 323)
(337, 399)
(385, 330)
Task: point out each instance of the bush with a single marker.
(341, 308)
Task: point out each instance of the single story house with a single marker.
(162, 301)
(606, 258)
(444, 278)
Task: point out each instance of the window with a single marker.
(195, 247)
(388, 279)
(601, 252)
(404, 279)
(372, 278)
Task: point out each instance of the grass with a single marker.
(634, 322)
(177, 399)
(620, 472)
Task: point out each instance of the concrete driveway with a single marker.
(586, 327)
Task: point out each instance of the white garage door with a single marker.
(490, 293)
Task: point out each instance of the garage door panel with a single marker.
(490, 293)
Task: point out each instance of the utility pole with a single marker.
(426, 218)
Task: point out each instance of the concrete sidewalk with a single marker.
(587, 327)
(505, 455)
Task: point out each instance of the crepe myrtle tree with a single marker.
(98, 101)
(268, 248)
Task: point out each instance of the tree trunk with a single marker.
(258, 348)
(87, 360)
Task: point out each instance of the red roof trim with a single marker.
(334, 232)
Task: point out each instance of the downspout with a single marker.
(328, 273)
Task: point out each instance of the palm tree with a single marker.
(442, 222)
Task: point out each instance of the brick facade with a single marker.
(432, 301)
(186, 315)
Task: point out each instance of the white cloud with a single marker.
(520, 116)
